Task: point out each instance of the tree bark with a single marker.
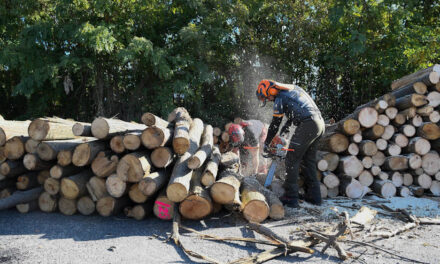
(10, 129)
(20, 197)
(181, 138)
(85, 153)
(152, 183)
(105, 128)
(51, 129)
(254, 206)
(199, 158)
(33, 162)
(411, 100)
(75, 186)
(211, 170)
(12, 168)
(385, 189)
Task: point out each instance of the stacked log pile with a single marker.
(111, 166)
(389, 145)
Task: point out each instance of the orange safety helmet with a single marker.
(236, 134)
(265, 89)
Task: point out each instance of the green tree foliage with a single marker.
(85, 58)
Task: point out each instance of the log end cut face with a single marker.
(351, 126)
(2, 137)
(117, 145)
(195, 207)
(277, 211)
(256, 211)
(131, 142)
(52, 186)
(30, 161)
(105, 206)
(47, 202)
(161, 157)
(115, 186)
(14, 148)
(64, 157)
(148, 187)
(368, 117)
(181, 145)
(152, 137)
(5, 169)
(338, 143)
(388, 190)
(86, 206)
(176, 192)
(148, 119)
(67, 206)
(38, 129)
(69, 189)
(81, 155)
(163, 208)
(223, 193)
(100, 128)
(207, 179)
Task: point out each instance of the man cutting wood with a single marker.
(246, 138)
(301, 111)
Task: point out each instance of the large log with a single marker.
(179, 184)
(351, 187)
(67, 206)
(33, 162)
(388, 132)
(198, 204)
(96, 188)
(411, 100)
(356, 138)
(227, 189)
(330, 179)
(162, 157)
(414, 161)
(428, 76)
(31, 146)
(104, 164)
(139, 211)
(116, 186)
(152, 183)
(206, 144)
(391, 112)
(181, 139)
(52, 186)
(85, 153)
(15, 148)
(397, 179)
(74, 186)
(85, 205)
(20, 197)
(27, 181)
(367, 116)
(25, 208)
(104, 128)
(423, 181)
(381, 144)
(48, 203)
(136, 194)
(334, 142)
(400, 140)
(351, 166)
(10, 129)
(367, 147)
(108, 205)
(155, 136)
(407, 179)
(48, 150)
(425, 110)
(12, 168)
(132, 167)
(150, 119)
(346, 126)
(64, 157)
(366, 178)
(163, 207)
(331, 158)
(42, 176)
(117, 145)
(211, 169)
(417, 87)
(385, 189)
(408, 130)
(396, 163)
(434, 117)
(417, 121)
(82, 129)
(51, 129)
(435, 188)
(383, 120)
(132, 141)
(418, 145)
(430, 131)
(367, 162)
(254, 205)
(433, 98)
(431, 163)
(58, 172)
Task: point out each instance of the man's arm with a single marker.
(273, 128)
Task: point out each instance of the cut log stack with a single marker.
(388, 146)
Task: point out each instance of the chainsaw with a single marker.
(277, 152)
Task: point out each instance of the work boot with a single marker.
(313, 195)
(289, 201)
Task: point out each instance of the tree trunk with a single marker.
(105, 128)
(31, 146)
(52, 186)
(407, 179)
(85, 205)
(386, 189)
(116, 186)
(47, 203)
(104, 164)
(211, 170)
(427, 76)
(33, 162)
(181, 138)
(150, 119)
(85, 153)
(96, 188)
(367, 162)
(64, 157)
(400, 140)
(367, 148)
(391, 112)
(117, 145)
(396, 163)
(366, 178)
(139, 211)
(58, 172)
(408, 130)
(334, 142)
(346, 126)
(417, 87)
(198, 204)
(430, 131)
(330, 180)
(153, 182)
(383, 120)
(227, 189)
(12, 168)
(108, 205)
(82, 129)
(411, 100)
(51, 129)
(423, 181)
(367, 116)
(14, 148)
(414, 160)
(351, 187)
(20, 197)
(433, 98)
(75, 186)
(381, 144)
(351, 166)
(178, 186)
(254, 206)
(67, 206)
(10, 129)
(199, 158)
(162, 157)
(331, 158)
(431, 163)
(418, 145)
(136, 194)
(154, 137)
(132, 167)
(404, 191)
(132, 141)
(417, 121)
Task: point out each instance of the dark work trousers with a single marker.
(304, 142)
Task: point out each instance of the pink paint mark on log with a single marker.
(163, 210)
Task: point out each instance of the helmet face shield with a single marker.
(262, 102)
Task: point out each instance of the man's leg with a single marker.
(305, 133)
